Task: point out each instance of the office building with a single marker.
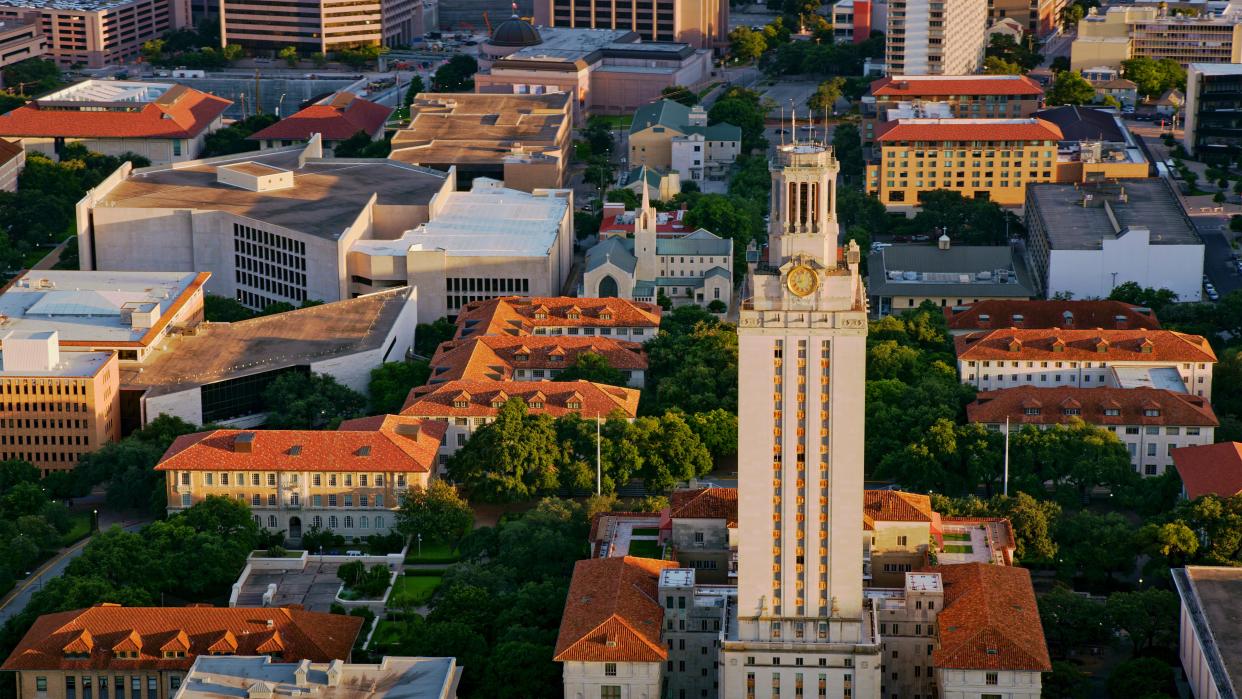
(945, 38)
(670, 136)
(164, 122)
(532, 358)
(605, 71)
(335, 118)
(261, 677)
(963, 97)
(350, 481)
(316, 25)
(96, 33)
(852, 20)
(20, 39)
(1150, 422)
(703, 24)
(521, 140)
(561, 315)
(800, 534)
(12, 162)
(1095, 146)
(1055, 313)
(1121, 32)
(147, 652)
(991, 360)
(901, 277)
(1213, 128)
(55, 406)
(1209, 469)
(1208, 643)
(1038, 17)
(1084, 240)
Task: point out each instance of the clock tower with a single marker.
(803, 628)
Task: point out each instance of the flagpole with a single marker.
(598, 468)
(1006, 455)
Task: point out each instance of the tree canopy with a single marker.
(1154, 77)
(692, 364)
(298, 401)
(437, 512)
(1069, 87)
(457, 75)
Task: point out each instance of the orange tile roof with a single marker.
(897, 506)
(705, 503)
(1091, 403)
(905, 130)
(482, 398)
(496, 357)
(9, 150)
(516, 315)
(1122, 345)
(390, 443)
(912, 86)
(101, 631)
(990, 620)
(612, 613)
(181, 112)
(1211, 469)
(344, 116)
(1084, 315)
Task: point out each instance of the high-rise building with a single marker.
(703, 24)
(320, 25)
(1123, 31)
(1213, 97)
(943, 37)
(802, 628)
(95, 33)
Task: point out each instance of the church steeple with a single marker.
(645, 222)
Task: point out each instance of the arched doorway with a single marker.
(608, 287)
(295, 527)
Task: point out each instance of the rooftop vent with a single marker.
(254, 177)
(243, 443)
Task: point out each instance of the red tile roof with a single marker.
(9, 150)
(990, 620)
(705, 503)
(495, 357)
(516, 315)
(914, 86)
(389, 443)
(904, 130)
(344, 116)
(612, 613)
(617, 221)
(1211, 469)
(1084, 315)
(483, 398)
(1121, 345)
(104, 630)
(897, 506)
(181, 112)
(1090, 403)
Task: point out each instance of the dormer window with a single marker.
(1015, 345)
(521, 357)
(1058, 345)
(605, 315)
(498, 403)
(1071, 411)
(556, 358)
(1030, 411)
(461, 404)
(536, 404)
(1151, 412)
(1112, 412)
(574, 404)
(541, 315)
(1101, 345)
(174, 654)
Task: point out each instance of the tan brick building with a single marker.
(95, 33)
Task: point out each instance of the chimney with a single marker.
(271, 624)
(243, 443)
(334, 673)
(407, 429)
(299, 675)
(943, 241)
(1067, 319)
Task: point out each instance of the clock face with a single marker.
(802, 280)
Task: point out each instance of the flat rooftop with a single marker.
(71, 365)
(974, 270)
(677, 577)
(468, 128)
(325, 199)
(1216, 68)
(1165, 378)
(219, 351)
(1213, 598)
(569, 44)
(108, 90)
(1080, 217)
(87, 307)
(80, 5)
(229, 677)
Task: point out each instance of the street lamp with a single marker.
(279, 103)
(420, 545)
(94, 520)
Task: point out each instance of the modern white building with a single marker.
(259, 677)
(946, 38)
(801, 622)
(1208, 642)
(1086, 239)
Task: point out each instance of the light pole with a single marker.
(280, 102)
(94, 520)
(420, 545)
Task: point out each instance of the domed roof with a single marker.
(515, 31)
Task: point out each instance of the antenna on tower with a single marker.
(782, 129)
(793, 122)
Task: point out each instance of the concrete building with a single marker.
(55, 406)
(165, 122)
(148, 651)
(335, 118)
(1038, 17)
(670, 136)
(1208, 642)
(1084, 240)
(1150, 422)
(350, 481)
(1211, 469)
(947, 39)
(800, 533)
(695, 617)
(605, 71)
(1055, 313)
(20, 39)
(702, 532)
(563, 315)
(322, 25)
(964, 97)
(696, 267)
(96, 33)
(1121, 32)
(12, 162)
(703, 24)
(532, 358)
(1010, 357)
(1213, 103)
(521, 140)
(259, 677)
(852, 20)
(902, 277)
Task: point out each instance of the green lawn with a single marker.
(957, 536)
(431, 553)
(617, 121)
(647, 531)
(645, 549)
(413, 590)
(386, 634)
(81, 526)
(953, 548)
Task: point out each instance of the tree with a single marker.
(1153, 77)
(1071, 621)
(1219, 197)
(1069, 87)
(361, 145)
(847, 146)
(1155, 299)
(746, 45)
(231, 53)
(428, 336)
(223, 309)
(994, 65)
(319, 59)
(457, 75)
(744, 109)
(1148, 617)
(33, 76)
(717, 429)
(1007, 50)
(825, 96)
(692, 364)
(671, 451)
(437, 512)
(1065, 681)
(289, 55)
(153, 50)
(968, 221)
(391, 383)
(728, 217)
(680, 94)
(1147, 678)
(514, 457)
(1072, 15)
(310, 401)
(234, 138)
(592, 366)
(1094, 546)
(412, 89)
